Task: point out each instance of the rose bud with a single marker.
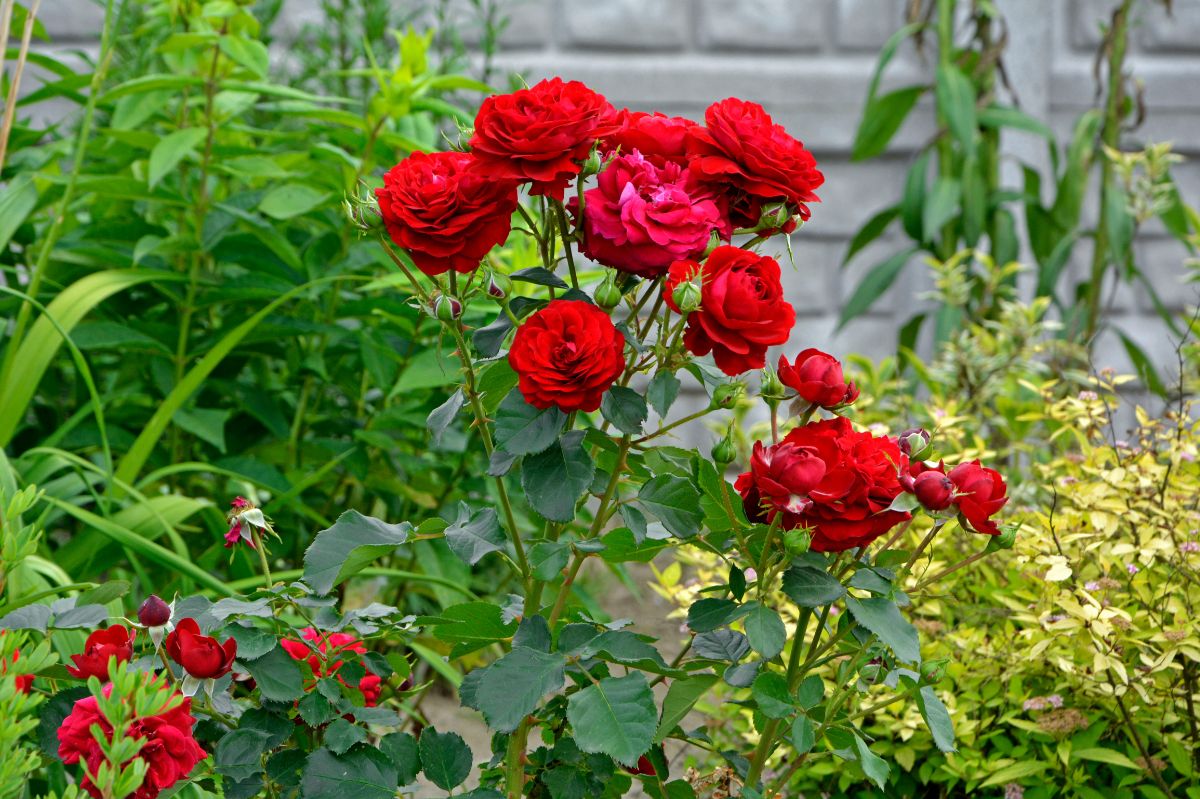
(934, 670)
(499, 286)
(447, 308)
(154, 612)
(914, 442)
(723, 452)
(933, 490)
(686, 296)
(981, 493)
(771, 389)
(817, 377)
(115, 642)
(593, 164)
(726, 395)
(1004, 540)
(797, 540)
(200, 655)
(607, 294)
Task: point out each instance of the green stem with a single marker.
(262, 558)
(945, 147)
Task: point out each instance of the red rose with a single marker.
(100, 646)
(370, 687)
(641, 218)
(934, 490)
(330, 645)
(154, 612)
(742, 311)
(24, 682)
(168, 747)
(817, 378)
(981, 493)
(659, 138)
(540, 134)
(200, 655)
(567, 355)
(844, 500)
(745, 154)
(443, 214)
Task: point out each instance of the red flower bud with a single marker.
(817, 377)
(200, 655)
(934, 490)
(154, 612)
(981, 494)
(100, 646)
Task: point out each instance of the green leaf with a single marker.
(727, 645)
(363, 773)
(998, 116)
(17, 200)
(1100, 754)
(882, 617)
(803, 736)
(940, 207)
(445, 758)
(349, 546)
(766, 631)
(811, 691)
(676, 503)
(554, 479)
(872, 765)
(1143, 365)
(662, 391)
(277, 675)
(770, 691)
(870, 231)
(681, 697)
(522, 429)
(239, 753)
(810, 587)
(539, 276)
(512, 687)
(882, 117)
(615, 717)
(1014, 772)
(547, 559)
(401, 748)
(249, 53)
(472, 625)
(170, 150)
(623, 646)
(912, 201)
(291, 200)
(441, 417)
(710, 613)
(205, 424)
(625, 408)
(874, 284)
(342, 734)
(956, 104)
(316, 710)
(474, 533)
(937, 718)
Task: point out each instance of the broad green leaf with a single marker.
(249, 53)
(349, 546)
(937, 718)
(727, 645)
(871, 230)
(170, 150)
(676, 503)
(912, 201)
(1014, 772)
(277, 675)
(956, 103)
(765, 630)
(710, 613)
(474, 533)
(1101, 754)
(881, 616)
(207, 424)
(623, 646)
(874, 284)
(662, 391)
(522, 429)
(472, 625)
(401, 748)
(803, 736)
(873, 766)
(1143, 365)
(941, 207)
(441, 417)
(555, 478)
(882, 117)
(445, 758)
(17, 200)
(682, 696)
(615, 717)
(625, 408)
(363, 773)
(512, 687)
(239, 753)
(341, 734)
(770, 692)
(998, 116)
(291, 200)
(810, 587)
(548, 559)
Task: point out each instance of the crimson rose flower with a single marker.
(443, 214)
(567, 355)
(829, 478)
(817, 377)
(540, 134)
(934, 489)
(24, 682)
(200, 655)
(100, 646)
(742, 152)
(168, 747)
(659, 138)
(330, 645)
(641, 218)
(742, 311)
(981, 493)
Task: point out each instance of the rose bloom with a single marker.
(540, 134)
(934, 490)
(168, 747)
(100, 646)
(659, 138)
(443, 214)
(567, 355)
(641, 218)
(24, 682)
(326, 664)
(742, 152)
(980, 494)
(817, 378)
(200, 655)
(742, 311)
(829, 478)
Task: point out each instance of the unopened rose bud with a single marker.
(771, 388)
(714, 241)
(797, 540)
(933, 490)
(154, 612)
(870, 672)
(607, 294)
(914, 442)
(726, 395)
(774, 216)
(687, 296)
(447, 308)
(934, 670)
(594, 163)
(1004, 540)
(723, 452)
(499, 286)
